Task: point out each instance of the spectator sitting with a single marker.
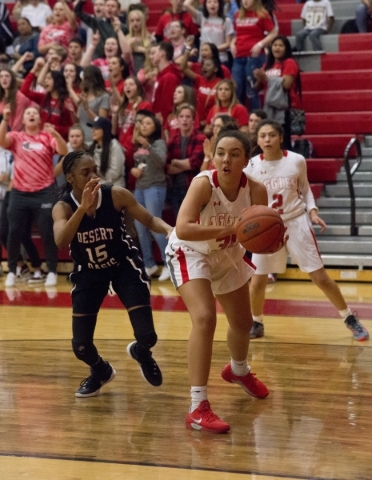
(167, 80)
(106, 26)
(176, 13)
(362, 15)
(62, 29)
(317, 17)
(226, 102)
(76, 138)
(107, 153)
(184, 156)
(37, 12)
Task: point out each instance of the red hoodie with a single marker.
(166, 83)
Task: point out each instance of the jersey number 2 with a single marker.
(278, 202)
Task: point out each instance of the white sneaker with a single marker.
(10, 280)
(150, 271)
(165, 275)
(51, 280)
(37, 278)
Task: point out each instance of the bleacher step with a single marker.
(342, 190)
(358, 176)
(344, 202)
(343, 217)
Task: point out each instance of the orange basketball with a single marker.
(260, 229)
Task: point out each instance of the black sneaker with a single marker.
(257, 330)
(91, 386)
(149, 368)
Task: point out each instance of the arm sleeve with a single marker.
(116, 166)
(37, 97)
(87, 19)
(158, 152)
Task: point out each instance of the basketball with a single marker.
(260, 229)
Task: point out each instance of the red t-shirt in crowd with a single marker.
(119, 86)
(205, 91)
(238, 112)
(33, 160)
(162, 27)
(196, 68)
(61, 34)
(250, 30)
(288, 67)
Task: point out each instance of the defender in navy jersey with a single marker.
(90, 219)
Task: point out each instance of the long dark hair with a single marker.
(157, 133)
(140, 92)
(218, 65)
(12, 91)
(93, 80)
(105, 154)
(287, 54)
(220, 13)
(60, 87)
(231, 130)
(77, 82)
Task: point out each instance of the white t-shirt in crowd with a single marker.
(214, 30)
(38, 15)
(316, 14)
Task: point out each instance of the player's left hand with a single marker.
(318, 221)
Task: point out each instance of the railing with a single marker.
(349, 175)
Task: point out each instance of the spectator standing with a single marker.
(176, 13)
(139, 39)
(75, 50)
(37, 13)
(215, 27)
(182, 94)
(254, 30)
(33, 185)
(167, 80)
(184, 156)
(149, 161)
(317, 18)
(105, 26)
(62, 29)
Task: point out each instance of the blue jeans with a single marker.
(314, 37)
(152, 199)
(361, 17)
(242, 73)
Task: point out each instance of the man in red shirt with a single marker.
(167, 80)
(176, 13)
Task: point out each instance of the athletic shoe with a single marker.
(91, 386)
(257, 330)
(51, 280)
(37, 278)
(202, 418)
(249, 382)
(165, 275)
(150, 271)
(271, 278)
(10, 280)
(359, 332)
(23, 273)
(149, 368)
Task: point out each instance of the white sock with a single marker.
(258, 318)
(198, 394)
(239, 368)
(345, 313)
(18, 271)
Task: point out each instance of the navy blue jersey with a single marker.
(101, 241)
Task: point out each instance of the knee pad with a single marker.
(86, 352)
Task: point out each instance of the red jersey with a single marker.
(238, 112)
(61, 34)
(33, 160)
(162, 28)
(250, 30)
(196, 68)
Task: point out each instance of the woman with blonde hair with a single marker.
(139, 39)
(254, 30)
(226, 103)
(147, 74)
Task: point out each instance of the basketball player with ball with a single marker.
(285, 177)
(205, 261)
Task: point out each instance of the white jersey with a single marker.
(316, 14)
(219, 211)
(286, 183)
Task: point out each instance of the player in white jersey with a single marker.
(285, 177)
(204, 259)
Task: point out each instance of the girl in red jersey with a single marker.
(252, 22)
(226, 102)
(280, 63)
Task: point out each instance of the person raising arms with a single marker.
(205, 260)
(90, 219)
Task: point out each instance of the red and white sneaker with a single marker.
(249, 382)
(202, 418)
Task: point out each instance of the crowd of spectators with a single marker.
(146, 105)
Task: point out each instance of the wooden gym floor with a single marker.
(315, 424)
